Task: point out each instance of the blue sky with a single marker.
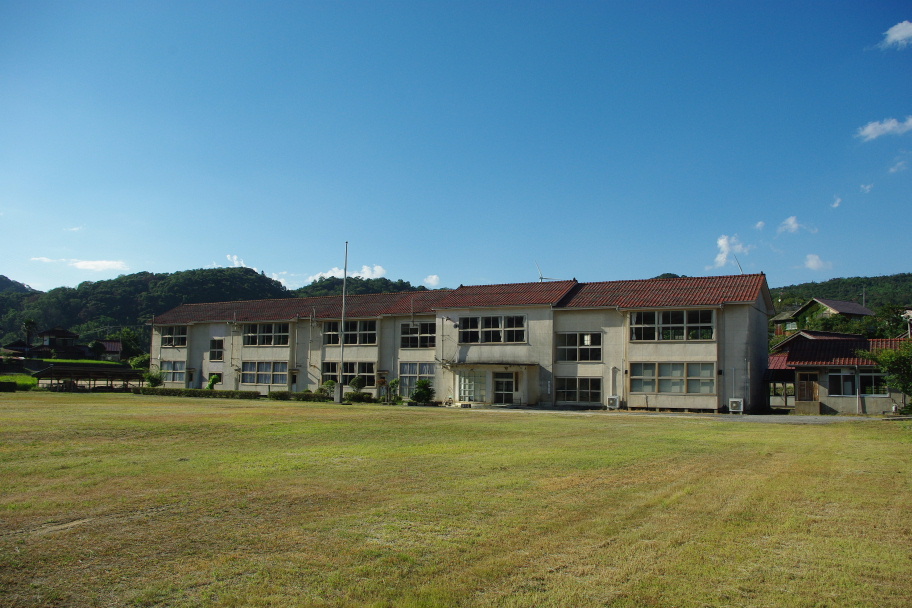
(455, 142)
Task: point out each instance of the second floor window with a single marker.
(506, 329)
(175, 335)
(266, 334)
(672, 325)
(579, 347)
(216, 349)
(419, 335)
(361, 332)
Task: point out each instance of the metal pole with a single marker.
(342, 328)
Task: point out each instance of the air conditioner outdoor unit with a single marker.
(614, 402)
(736, 406)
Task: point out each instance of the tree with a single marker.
(424, 392)
(97, 348)
(896, 366)
(357, 384)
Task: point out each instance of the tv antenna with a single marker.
(541, 277)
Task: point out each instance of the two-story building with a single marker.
(678, 344)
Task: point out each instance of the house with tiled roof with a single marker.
(676, 344)
(819, 372)
(791, 321)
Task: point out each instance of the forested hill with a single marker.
(99, 309)
(874, 292)
(102, 309)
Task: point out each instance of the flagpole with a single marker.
(342, 329)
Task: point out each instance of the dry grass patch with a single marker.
(143, 501)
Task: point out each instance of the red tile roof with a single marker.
(658, 293)
(663, 293)
(512, 294)
(831, 352)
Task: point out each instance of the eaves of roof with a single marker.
(669, 293)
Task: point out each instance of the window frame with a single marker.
(365, 369)
(266, 334)
(173, 336)
(564, 350)
(673, 325)
(216, 345)
(493, 329)
(419, 334)
(410, 372)
(173, 371)
(673, 377)
(566, 386)
(264, 373)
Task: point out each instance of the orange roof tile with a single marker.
(663, 293)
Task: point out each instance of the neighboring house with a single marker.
(789, 322)
(821, 373)
(681, 343)
(59, 343)
(113, 349)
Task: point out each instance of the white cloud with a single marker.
(94, 265)
(900, 166)
(728, 245)
(813, 262)
(432, 280)
(890, 126)
(900, 36)
(75, 229)
(236, 261)
(790, 224)
(760, 225)
(836, 202)
(866, 188)
(367, 272)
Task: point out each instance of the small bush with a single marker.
(280, 395)
(358, 397)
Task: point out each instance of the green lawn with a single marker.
(123, 500)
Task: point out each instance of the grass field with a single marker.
(123, 500)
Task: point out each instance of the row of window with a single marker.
(495, 329)
(673, 378)
(843, 384)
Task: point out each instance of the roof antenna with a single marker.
(738, 263)
(542, 278)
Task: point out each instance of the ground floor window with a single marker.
(873, 384)
(411, 373)
(173, 371)
(264, 372)
(673, 378)
(845, 383)
(579, 390)
(365, 369)
(841, 383)
(472, 386)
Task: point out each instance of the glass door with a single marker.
(504, 387)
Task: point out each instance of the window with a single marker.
(872, 383)
(472, 386)
(672, 325)
(419, 335)
(173, 371)
(842, 383)
(330, 332)
(365, 369)
(174, 336)
(360, 332)
(410, 373)
(492, 330)
(691, 378)
(579, 390)
(266, 334)
(579, 347)
(264, 372)
(216, 349)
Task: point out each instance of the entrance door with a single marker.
(504, 386)
(807, 387)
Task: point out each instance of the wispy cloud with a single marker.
(899, 36)
(866, 188)
(790, 224)
(813, 262)
(836, 202)
(760, 225)
(728, 246)
(899, 166)
(432, 280)
(367, 272)
(75, 229)
(890, 126)
(94, 265)
(237, 262)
